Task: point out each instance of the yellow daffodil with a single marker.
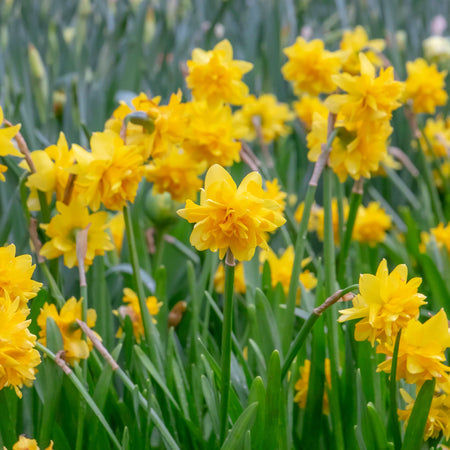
(231, 217)
(355, 41)
(75, 347)
(15, 276)
(216, 77)
(425, 86)
(421, 353)
(301, 385)
(281, 270)
(310, 67)
(435, 139)
(18, 357)
(210, 134)
(386, 303)
(273, 192)
(63, 228)
(176, 173)
(6, 146)
(133, 311)
(438, 417)
(28, 444)
(239, 279)
(371, 224)
(264, 115)
(110, 174)
(442, 235)
(307, 106)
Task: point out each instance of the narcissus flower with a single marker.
(231, 217)
(133, 311)
(110, 174)
(273, 192)
(75, 347)
(310, 67)
(216, 77)
(386, 303)
(239, 279)
(438, 417)
(371, 224)
(425, 86)
(6, 146)
(15, 276)
(307, 106)
(28, 444)
(265, 113)
(301, 386)
(176, 173)
(421, 353)
(355, 41)
(435, 139)
(281, 269)
(62, 231)
(18, 357)
(442, 235)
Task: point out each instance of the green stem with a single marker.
(45, 210)
(84, 393)
(393, 396)
(355, 201)
(331, 318)
(226, 348)
(307, 327)
(159, 250)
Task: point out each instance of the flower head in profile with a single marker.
(307, 106)
(75, 347)
(6, 146)
(133, 311)
(425, 86)
(386, 303)
(310, 67)
(15, 276)
(355, 41)
(230, 217)
(62, 231)
(438, 417)
(371, 224)
(28, 444)
(301, 385)
(110, 174)
(216, 77)
(239, 279)
(421, 353)
(263, 116)
(18, 357)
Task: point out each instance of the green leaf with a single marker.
(377, 426)
(244, 423)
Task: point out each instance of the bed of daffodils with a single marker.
(213, 266)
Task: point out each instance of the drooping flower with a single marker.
(18, 357)
(421, 353)
(133, 311)
(239, 279)
(210, 134)
(307, 106)
(63, 228)
(386, 303)
(264, 115)
(110, 174)
(310, 67)
(216, 77)
(15, 276)
(176, 173)
(371, 224)
(356, 41)
(6, 146)
(281, 270)
(301, 386)
(425, 86)
(75, 347)
(438, 417)
(231, 217)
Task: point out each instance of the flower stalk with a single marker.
(393, 396)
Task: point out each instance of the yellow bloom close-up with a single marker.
(216, 77)
(386, 303)
(307, 106)
(230, 217)
(75, 346)
(63, 228)
(371, 224)
(18, 357)
(421, 353)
